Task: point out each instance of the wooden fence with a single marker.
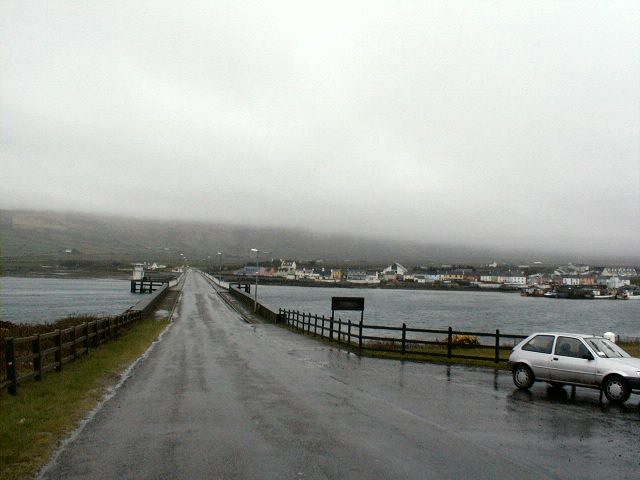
(402, 339)
(447, 343)
(31, 357)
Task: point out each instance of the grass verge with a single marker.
(632, 349)
(33, 422)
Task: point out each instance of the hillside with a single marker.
(29, 237)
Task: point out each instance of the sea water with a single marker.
(464, 310)
(44, 300)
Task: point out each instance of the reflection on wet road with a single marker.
(220, 398)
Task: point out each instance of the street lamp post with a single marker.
(220, 257)
(255, 291)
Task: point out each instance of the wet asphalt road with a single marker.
(220, 398)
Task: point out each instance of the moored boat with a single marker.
(628, 294)
(603, 295)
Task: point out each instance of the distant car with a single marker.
(574, 359)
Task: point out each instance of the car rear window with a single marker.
(540, 344)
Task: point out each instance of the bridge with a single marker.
(219, 397)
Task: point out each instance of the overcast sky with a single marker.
(489, 122)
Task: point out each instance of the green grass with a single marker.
(33, 422)
(632, 349)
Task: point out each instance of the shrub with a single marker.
(465, 340)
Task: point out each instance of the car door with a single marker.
(537, 353)
(572, 362)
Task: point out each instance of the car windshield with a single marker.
(606, 348)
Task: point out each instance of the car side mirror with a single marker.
(587, 356)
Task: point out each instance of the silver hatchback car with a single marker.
(574, 359)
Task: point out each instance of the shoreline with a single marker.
(366, 286)
(95, 274)
(271, 281)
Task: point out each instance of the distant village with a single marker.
(492, 276)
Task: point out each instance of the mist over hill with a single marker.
(49, 237)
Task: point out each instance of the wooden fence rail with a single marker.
(407, 340)
(402, 339)
(30, 357)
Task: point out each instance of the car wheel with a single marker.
(522, 376)
(616, 389)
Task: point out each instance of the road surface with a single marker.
(221, 398)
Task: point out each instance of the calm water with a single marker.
(36, 300)
(479, 311)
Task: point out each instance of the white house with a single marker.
(617, 282)
(619, 272)
(395, 271)
(362, 276)
(287, 269)
(505, 278)
(307, 274)
(426, 277)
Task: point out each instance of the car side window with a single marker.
(540, 344)
(570, 347)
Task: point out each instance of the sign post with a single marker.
(347, 303)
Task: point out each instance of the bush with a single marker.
(465, 340)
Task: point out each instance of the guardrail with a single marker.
(403, 339)
(259, 309)
(31, 357)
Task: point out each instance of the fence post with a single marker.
(322, 331)
(339, 329)
(349, 332)
(404, 338)
(309, 323)
(449, 342)
(315, 325)
(497, 346)
(360, 335)
(85, 334)
(37, 357)
(331, 328)
(12, 371)
(73, 343)
(95, 333)
(57, 356)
